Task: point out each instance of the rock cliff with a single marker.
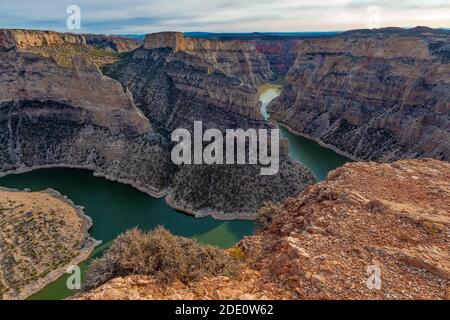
(25, 39)
(176, 81)
(367, 220)
(101, 100)
(233, 58)
(383, 96)
(52, 115)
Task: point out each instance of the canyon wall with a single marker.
(175, 83)
(26, 39)
(327, 242)
(281, 53)
(101, 100)
(234, 58)
(383, 96)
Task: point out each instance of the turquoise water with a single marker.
(318, 159)
(116, 207)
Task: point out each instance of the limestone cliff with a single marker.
(326, 242)
(233, 58)
(99, 99)
(64, 47)
(383, 96)
(25, 39)
(280, 52)
(75, 117)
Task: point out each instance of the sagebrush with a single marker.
(159, 254)
(267, 214)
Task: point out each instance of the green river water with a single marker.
(116, 207)
(318, 159)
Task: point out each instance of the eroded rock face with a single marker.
(101, 100)
(326, 242)
(375, 98)
(25, 39)
(75, 117)
(281, 53)
(174, 89)
(233, 58)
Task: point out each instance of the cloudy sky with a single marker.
(142, 16)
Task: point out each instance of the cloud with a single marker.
(141, 16)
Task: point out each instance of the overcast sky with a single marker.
(142, 16)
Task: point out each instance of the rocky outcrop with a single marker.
(42, 234)
(233, 58)
(370, 231)
(100, 100)
(25, 39)
(376, 98)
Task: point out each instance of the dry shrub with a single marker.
(431, 227)
(266, 215)
(376, 206)
(237, 253)
(159, 254)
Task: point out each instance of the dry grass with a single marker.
(39, 233)
(161, 255)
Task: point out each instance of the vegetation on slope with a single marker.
(159, 254)
(64, 53)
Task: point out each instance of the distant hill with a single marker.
(250, 35)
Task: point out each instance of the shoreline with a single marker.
(318, 141)
(158, 194)
(88, 247)
(206, 212)
(303, 135)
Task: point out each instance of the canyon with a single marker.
(109, 104)
(121, 128)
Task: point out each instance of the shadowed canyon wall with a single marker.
(382, 96)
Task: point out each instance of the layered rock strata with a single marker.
(381, 97)
(175, 83)
(25, 39)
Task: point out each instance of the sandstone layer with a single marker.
(234, 58)
(42, 234)
(390, 221)
(25, 39)
(382, 96)
(97, 99)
